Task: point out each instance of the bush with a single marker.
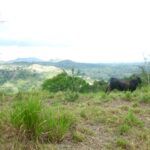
(64, 82)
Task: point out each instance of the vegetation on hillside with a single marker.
(67, 112)
(23, 76)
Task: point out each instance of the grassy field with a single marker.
(71, 121)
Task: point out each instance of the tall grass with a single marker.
(37, 121)
(26, 114)
(56, 123)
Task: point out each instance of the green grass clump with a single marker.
(37, 121)
(132, 120)
(26, 114)
(129, 121)
(56, 124)
(124, 129)
(122, 143)
(71, 96)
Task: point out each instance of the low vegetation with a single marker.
(67, 120)
(38, 122)
(69, 113)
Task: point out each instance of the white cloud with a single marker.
(93, 30)
(81, 55)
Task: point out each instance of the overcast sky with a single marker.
(81, 30)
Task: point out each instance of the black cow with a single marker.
(123, 85)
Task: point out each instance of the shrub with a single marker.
(64, 82)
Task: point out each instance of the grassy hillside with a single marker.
(31, 118)
(39, 120)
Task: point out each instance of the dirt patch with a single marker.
(116, 103)
(98, 141)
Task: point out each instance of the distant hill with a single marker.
(93, 70)
(68, 64)
(28, 60)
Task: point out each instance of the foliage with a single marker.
(124, 128)
(99, 86)
(64, 82)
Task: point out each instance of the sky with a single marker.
(81, 30)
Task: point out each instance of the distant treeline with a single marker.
(95, 71)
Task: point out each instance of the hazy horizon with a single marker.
(55, 60)
(82, 30)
